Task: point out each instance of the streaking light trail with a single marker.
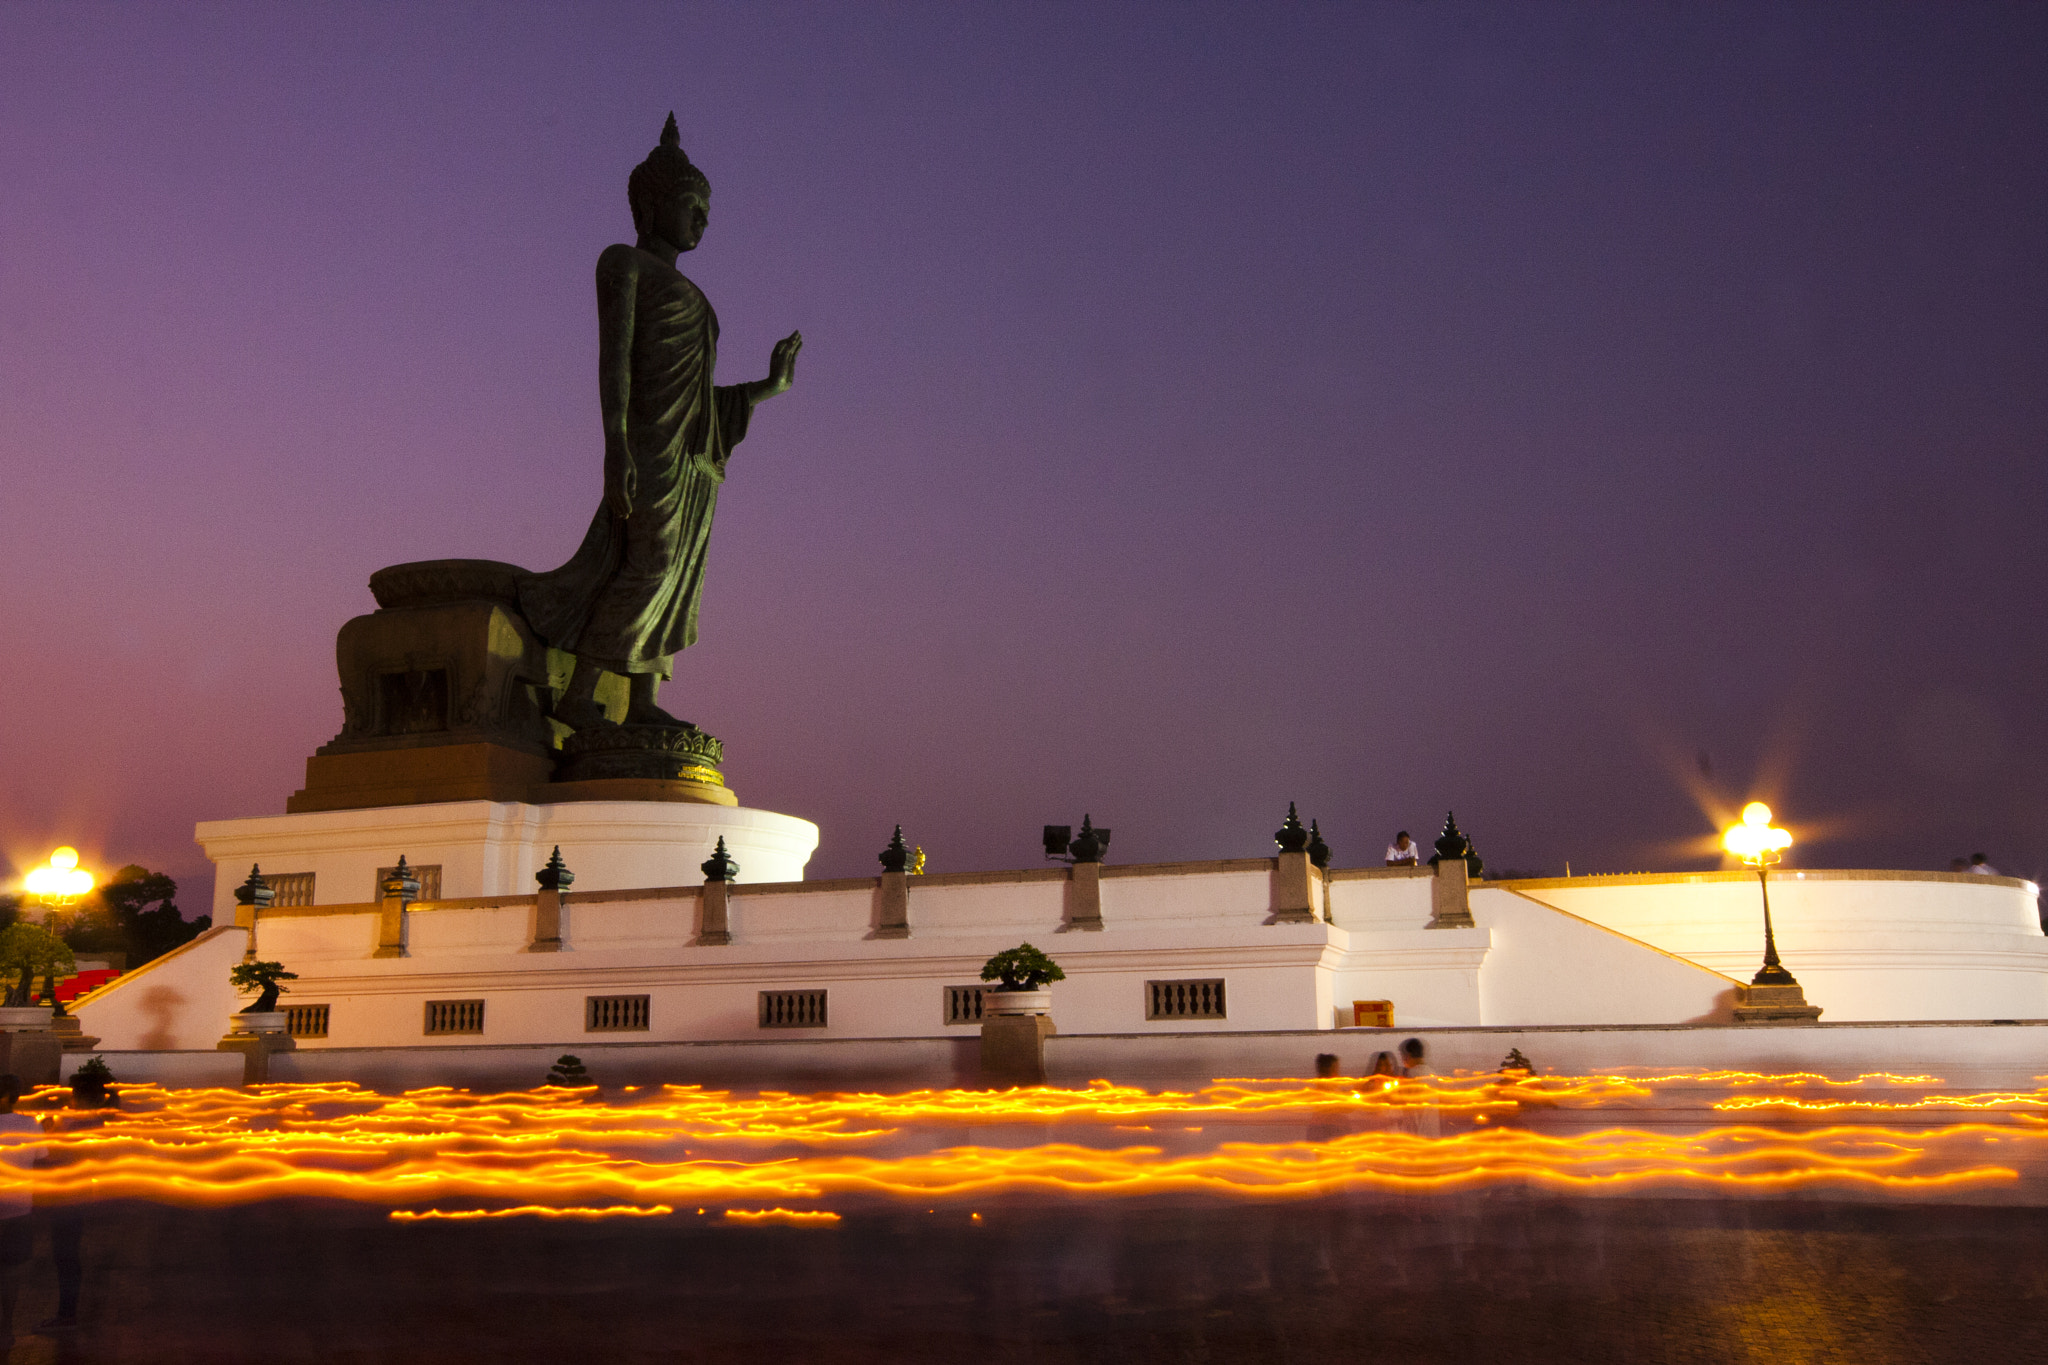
(774, 1157)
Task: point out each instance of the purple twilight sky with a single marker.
(1588, 417)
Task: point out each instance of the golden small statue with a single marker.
(916, 868)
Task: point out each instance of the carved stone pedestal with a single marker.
(32, 1053)
(1774, 1005)
(641, 763)
(71, 1035)
(1013, 1048)
(257, 1037)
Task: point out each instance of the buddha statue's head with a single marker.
(670, 198)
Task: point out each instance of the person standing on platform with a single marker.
(1403, 852)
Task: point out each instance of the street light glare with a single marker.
(1755, 838)
(62, 880)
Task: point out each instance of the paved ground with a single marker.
(1497, 1277)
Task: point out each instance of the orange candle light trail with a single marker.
(566, 1154)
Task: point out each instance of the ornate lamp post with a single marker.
(57, 885)
(1773, 995)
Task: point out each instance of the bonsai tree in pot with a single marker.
(1022, 968)
(264, 977)
(26, 952)
(91, 1086)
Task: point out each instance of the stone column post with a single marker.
(1296, 880)
(1296, 889)
(554, 882)
(397, 891)
(892, 905)
(1084, 897)
(713, 929)
(1450, 904)
(1084, 879)
(892, 893)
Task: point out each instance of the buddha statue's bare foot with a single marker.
(581, 715)
(647, 713)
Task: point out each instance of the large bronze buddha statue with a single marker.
(627, 599)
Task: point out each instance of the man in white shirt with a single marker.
(1979, 865)
(1403, 851)
(17, 1155)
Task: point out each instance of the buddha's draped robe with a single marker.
(627, 599)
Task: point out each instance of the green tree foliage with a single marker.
(28, 951)
(264, 977)
(134, 912)
(568, 1070)
(1023, 968)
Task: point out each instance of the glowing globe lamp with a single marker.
(61, 881)
(1755, 840)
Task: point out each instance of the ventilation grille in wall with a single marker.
(429, 877)
(792, 1009)
(1184, 999)
(615, 1014)
(290, 888)
(963, 1004)
(455, 1016)
(306, 1021)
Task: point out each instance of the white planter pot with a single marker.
(271, 1021)
(1015, 1002)
(14, 1017)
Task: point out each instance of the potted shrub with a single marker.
(26, 952)
(1024, 973)
(267, 979)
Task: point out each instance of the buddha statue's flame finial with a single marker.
(671, 136)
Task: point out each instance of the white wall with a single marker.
(1925, 948)
(494, 848)
(1380, 898)
(1431, 976)
(1865, 945)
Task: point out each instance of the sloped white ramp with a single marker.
(179, 1001)
(1546, 966)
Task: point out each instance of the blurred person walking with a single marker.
(17, 1238)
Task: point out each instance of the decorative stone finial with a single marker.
(1090, 844)
(254, 891)
(402, 882)
(556, 876)
(896, 857)
(1452, 843)
(1292, 836)
(1318, 851)
(720, 867)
